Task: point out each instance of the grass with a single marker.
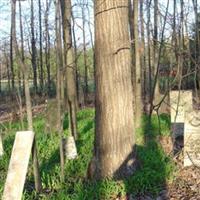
(155, 170)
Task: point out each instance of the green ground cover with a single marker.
(155, 168)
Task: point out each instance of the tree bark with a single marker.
(11, 53)
(33, 55)
(143, 56)
(197, 48)
(149, 50)
(58, 90)
(156, 97)
(47, 48)
(76, 63)
(69, 66)
(22, 40)
(8, 71)
(41, 56)
(84, 57)
(138, 88)
(114, 127)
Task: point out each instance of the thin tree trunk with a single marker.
(149, 49)
(85, 57)
(0, 76)
(41, 56)
(76, 63)
(22, 42)
(143, 57)
(8, 72)
(133, 69)
(11, 55)
(24, 68)
(47, 48)
(70, 66)
(138, 83)
(33, 58)
(156, 97)
(58, 91)
(89, 27)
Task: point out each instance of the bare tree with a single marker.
(41, 45)
(156, 52)
(84, 54)
(138, 83)
(59, 69)
(24, 69)
(33, 46)
(69, 66)
(47, 47)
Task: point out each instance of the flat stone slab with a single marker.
(192, 139)
(180, 105)
(70, 148)
(180, 102)
(1, 146)
(18, 165)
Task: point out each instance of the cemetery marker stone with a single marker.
(70, 148)
(180, 105)
(192, 139)
(18, 165)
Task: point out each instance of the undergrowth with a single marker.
(155, 168)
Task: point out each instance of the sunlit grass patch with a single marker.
(155, 168)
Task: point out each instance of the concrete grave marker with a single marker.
(70, 148)
(18, 165)
(51, 121)
(192, 139)
(1, 146)
(180, 104)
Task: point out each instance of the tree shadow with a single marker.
(145, 172)
(88, 126)
(177, 130)
(65, 121)
(151, 167)
(49, 164)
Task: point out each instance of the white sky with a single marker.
(5, 15)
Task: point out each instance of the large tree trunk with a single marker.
(69, 65)
(114, 128)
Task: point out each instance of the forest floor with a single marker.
(160, 175)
